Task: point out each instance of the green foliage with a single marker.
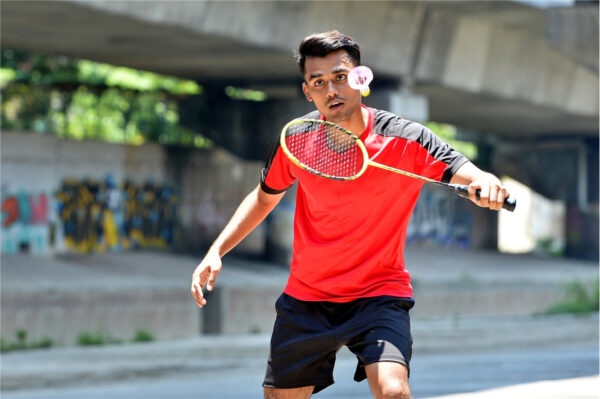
(21, 343)
(38, 69)
(41, 69)
(87, 100)
(87, 338)
(94, 73)
(579, 299)
(448, 134)
(237, 93)
(143, 336)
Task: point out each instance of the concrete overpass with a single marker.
(492, 66)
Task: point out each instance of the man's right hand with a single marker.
(205, 275)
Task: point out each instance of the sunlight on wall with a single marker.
(536, 225)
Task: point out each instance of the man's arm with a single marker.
(252, 210)
(492, 193)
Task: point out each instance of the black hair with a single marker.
(321, 44)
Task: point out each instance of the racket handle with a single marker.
(509, 203)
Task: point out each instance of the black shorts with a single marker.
(307, 336)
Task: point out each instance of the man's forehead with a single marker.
(333, 62)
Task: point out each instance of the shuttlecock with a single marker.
(359, 79)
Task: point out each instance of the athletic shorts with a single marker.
(307, 336)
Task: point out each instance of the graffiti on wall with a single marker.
(440, 219)
(25, 226)
(100, 215)
(87, 215)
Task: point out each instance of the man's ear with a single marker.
(306, 93)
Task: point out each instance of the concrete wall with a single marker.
(63, 316)
(36, 169)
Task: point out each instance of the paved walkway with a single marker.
(513, 356)
(473, 354)
(570, 388)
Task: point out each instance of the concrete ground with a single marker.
(477, 328)
(517, 357)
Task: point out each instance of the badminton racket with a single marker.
(328, 150)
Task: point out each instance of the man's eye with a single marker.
(319, 82)
(341, 77)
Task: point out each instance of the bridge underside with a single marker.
(487, 66)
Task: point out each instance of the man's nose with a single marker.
(332, 90)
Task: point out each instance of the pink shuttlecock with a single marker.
(359, 79)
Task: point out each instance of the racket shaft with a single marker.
(462, 190)
(402, 172)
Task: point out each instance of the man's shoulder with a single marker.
(388, 124)
(311, 115)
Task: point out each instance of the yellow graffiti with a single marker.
(98, 216)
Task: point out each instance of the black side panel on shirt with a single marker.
(391, 125)
(265, 170)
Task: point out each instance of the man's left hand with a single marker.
(492, 192)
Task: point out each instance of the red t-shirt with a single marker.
(349, 235)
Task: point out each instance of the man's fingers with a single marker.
(198, 283)
(204, 277)
(198, 296)
(212, 279)
(197, 293)
(499, 196)
(491, 193)
(503, 194)
(484, 196)
(493, 197)
(472, 192)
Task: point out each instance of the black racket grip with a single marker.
(509, 203)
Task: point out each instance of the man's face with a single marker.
(326, 84)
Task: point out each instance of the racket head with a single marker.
(324, 149)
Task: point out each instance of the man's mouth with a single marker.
(335, 104)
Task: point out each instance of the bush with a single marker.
(579, 299)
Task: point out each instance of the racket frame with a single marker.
(298, 163)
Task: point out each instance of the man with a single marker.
(348, 284)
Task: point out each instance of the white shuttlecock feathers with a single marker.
(359, 78)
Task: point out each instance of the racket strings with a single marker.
(325, 149)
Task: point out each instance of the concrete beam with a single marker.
(472, 56)
(574, 32)
(498, 55)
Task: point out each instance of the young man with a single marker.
(348, 284)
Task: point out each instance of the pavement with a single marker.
(570, 388)
(498, 345)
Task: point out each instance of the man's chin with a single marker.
(338, 116)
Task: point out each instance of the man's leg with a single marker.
(388, 380)
(293, 393)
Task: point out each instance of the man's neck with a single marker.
(358, 122)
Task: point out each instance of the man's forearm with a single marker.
(466, 174)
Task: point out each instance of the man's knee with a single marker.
(294, 393)
(394, 388)
(388, 380)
